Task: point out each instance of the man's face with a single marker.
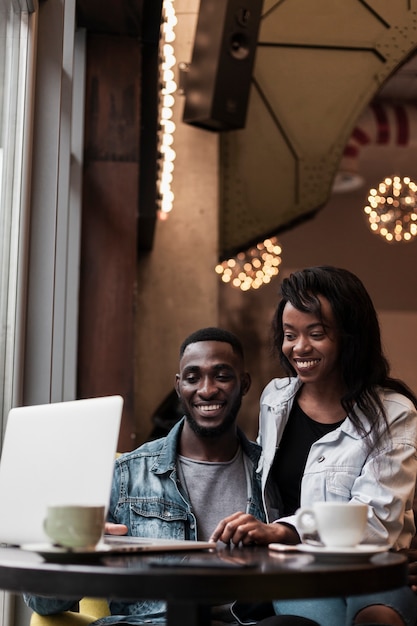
(210, 385)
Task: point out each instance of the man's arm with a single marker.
(49, 606)
(246, 529)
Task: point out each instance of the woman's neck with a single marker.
(322, 404)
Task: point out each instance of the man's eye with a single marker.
(191, 379)
(224, 377)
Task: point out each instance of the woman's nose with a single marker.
(302, 344)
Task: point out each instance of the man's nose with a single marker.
(207, 387)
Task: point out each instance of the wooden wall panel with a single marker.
(109, 225)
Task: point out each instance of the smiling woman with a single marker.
(337, 429)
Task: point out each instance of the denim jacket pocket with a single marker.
(155, 517)
(339, 483)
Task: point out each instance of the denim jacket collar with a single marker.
(166, 460)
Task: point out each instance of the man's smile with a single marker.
(207, 408)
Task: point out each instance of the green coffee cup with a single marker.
(74, 526)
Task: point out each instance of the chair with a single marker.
(90, 610)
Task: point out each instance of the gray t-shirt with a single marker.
(216, 490)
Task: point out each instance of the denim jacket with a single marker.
(148, 497)
(340, 467)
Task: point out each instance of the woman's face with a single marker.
(311, 344)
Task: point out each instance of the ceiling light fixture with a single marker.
(392, 209)
(254, 267)
(168, 87)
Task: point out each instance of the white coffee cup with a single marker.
(74, 526)
(339, 524)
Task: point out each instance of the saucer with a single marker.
(58, 554)
(361, 552)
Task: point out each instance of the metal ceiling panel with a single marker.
(317, 66)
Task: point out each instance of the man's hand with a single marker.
(242, 528)
(115, 529)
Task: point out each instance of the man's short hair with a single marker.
(213, 334)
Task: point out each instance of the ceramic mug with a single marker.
(74, 526)
(339, 524)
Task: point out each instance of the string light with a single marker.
(168, 87)
(392, 209)
(253, 268)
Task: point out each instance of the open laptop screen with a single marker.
(60, 453)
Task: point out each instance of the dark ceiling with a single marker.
(118, 17)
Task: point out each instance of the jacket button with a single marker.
(320, 459)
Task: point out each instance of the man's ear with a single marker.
(246, 383)
(177, 385)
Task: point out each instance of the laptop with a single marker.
(123, 543)
(63, 453)
(59, 453)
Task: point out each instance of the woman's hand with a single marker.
(115, 529)
(247, 530)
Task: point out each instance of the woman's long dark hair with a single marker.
(362, 362)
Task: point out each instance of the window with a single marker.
(17, 27)
(16, 72)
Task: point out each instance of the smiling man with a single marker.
(175, 486)
(215, 462)
(211, 382)
(180, 486)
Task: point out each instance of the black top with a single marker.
(287, 469)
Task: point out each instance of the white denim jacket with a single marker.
(340, 468)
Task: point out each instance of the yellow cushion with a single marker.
(94, 606)
(91, 609)
(62, 619)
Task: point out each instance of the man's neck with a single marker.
(212, 449)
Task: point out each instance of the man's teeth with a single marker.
(210, 407)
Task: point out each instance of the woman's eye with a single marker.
(289, 337)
